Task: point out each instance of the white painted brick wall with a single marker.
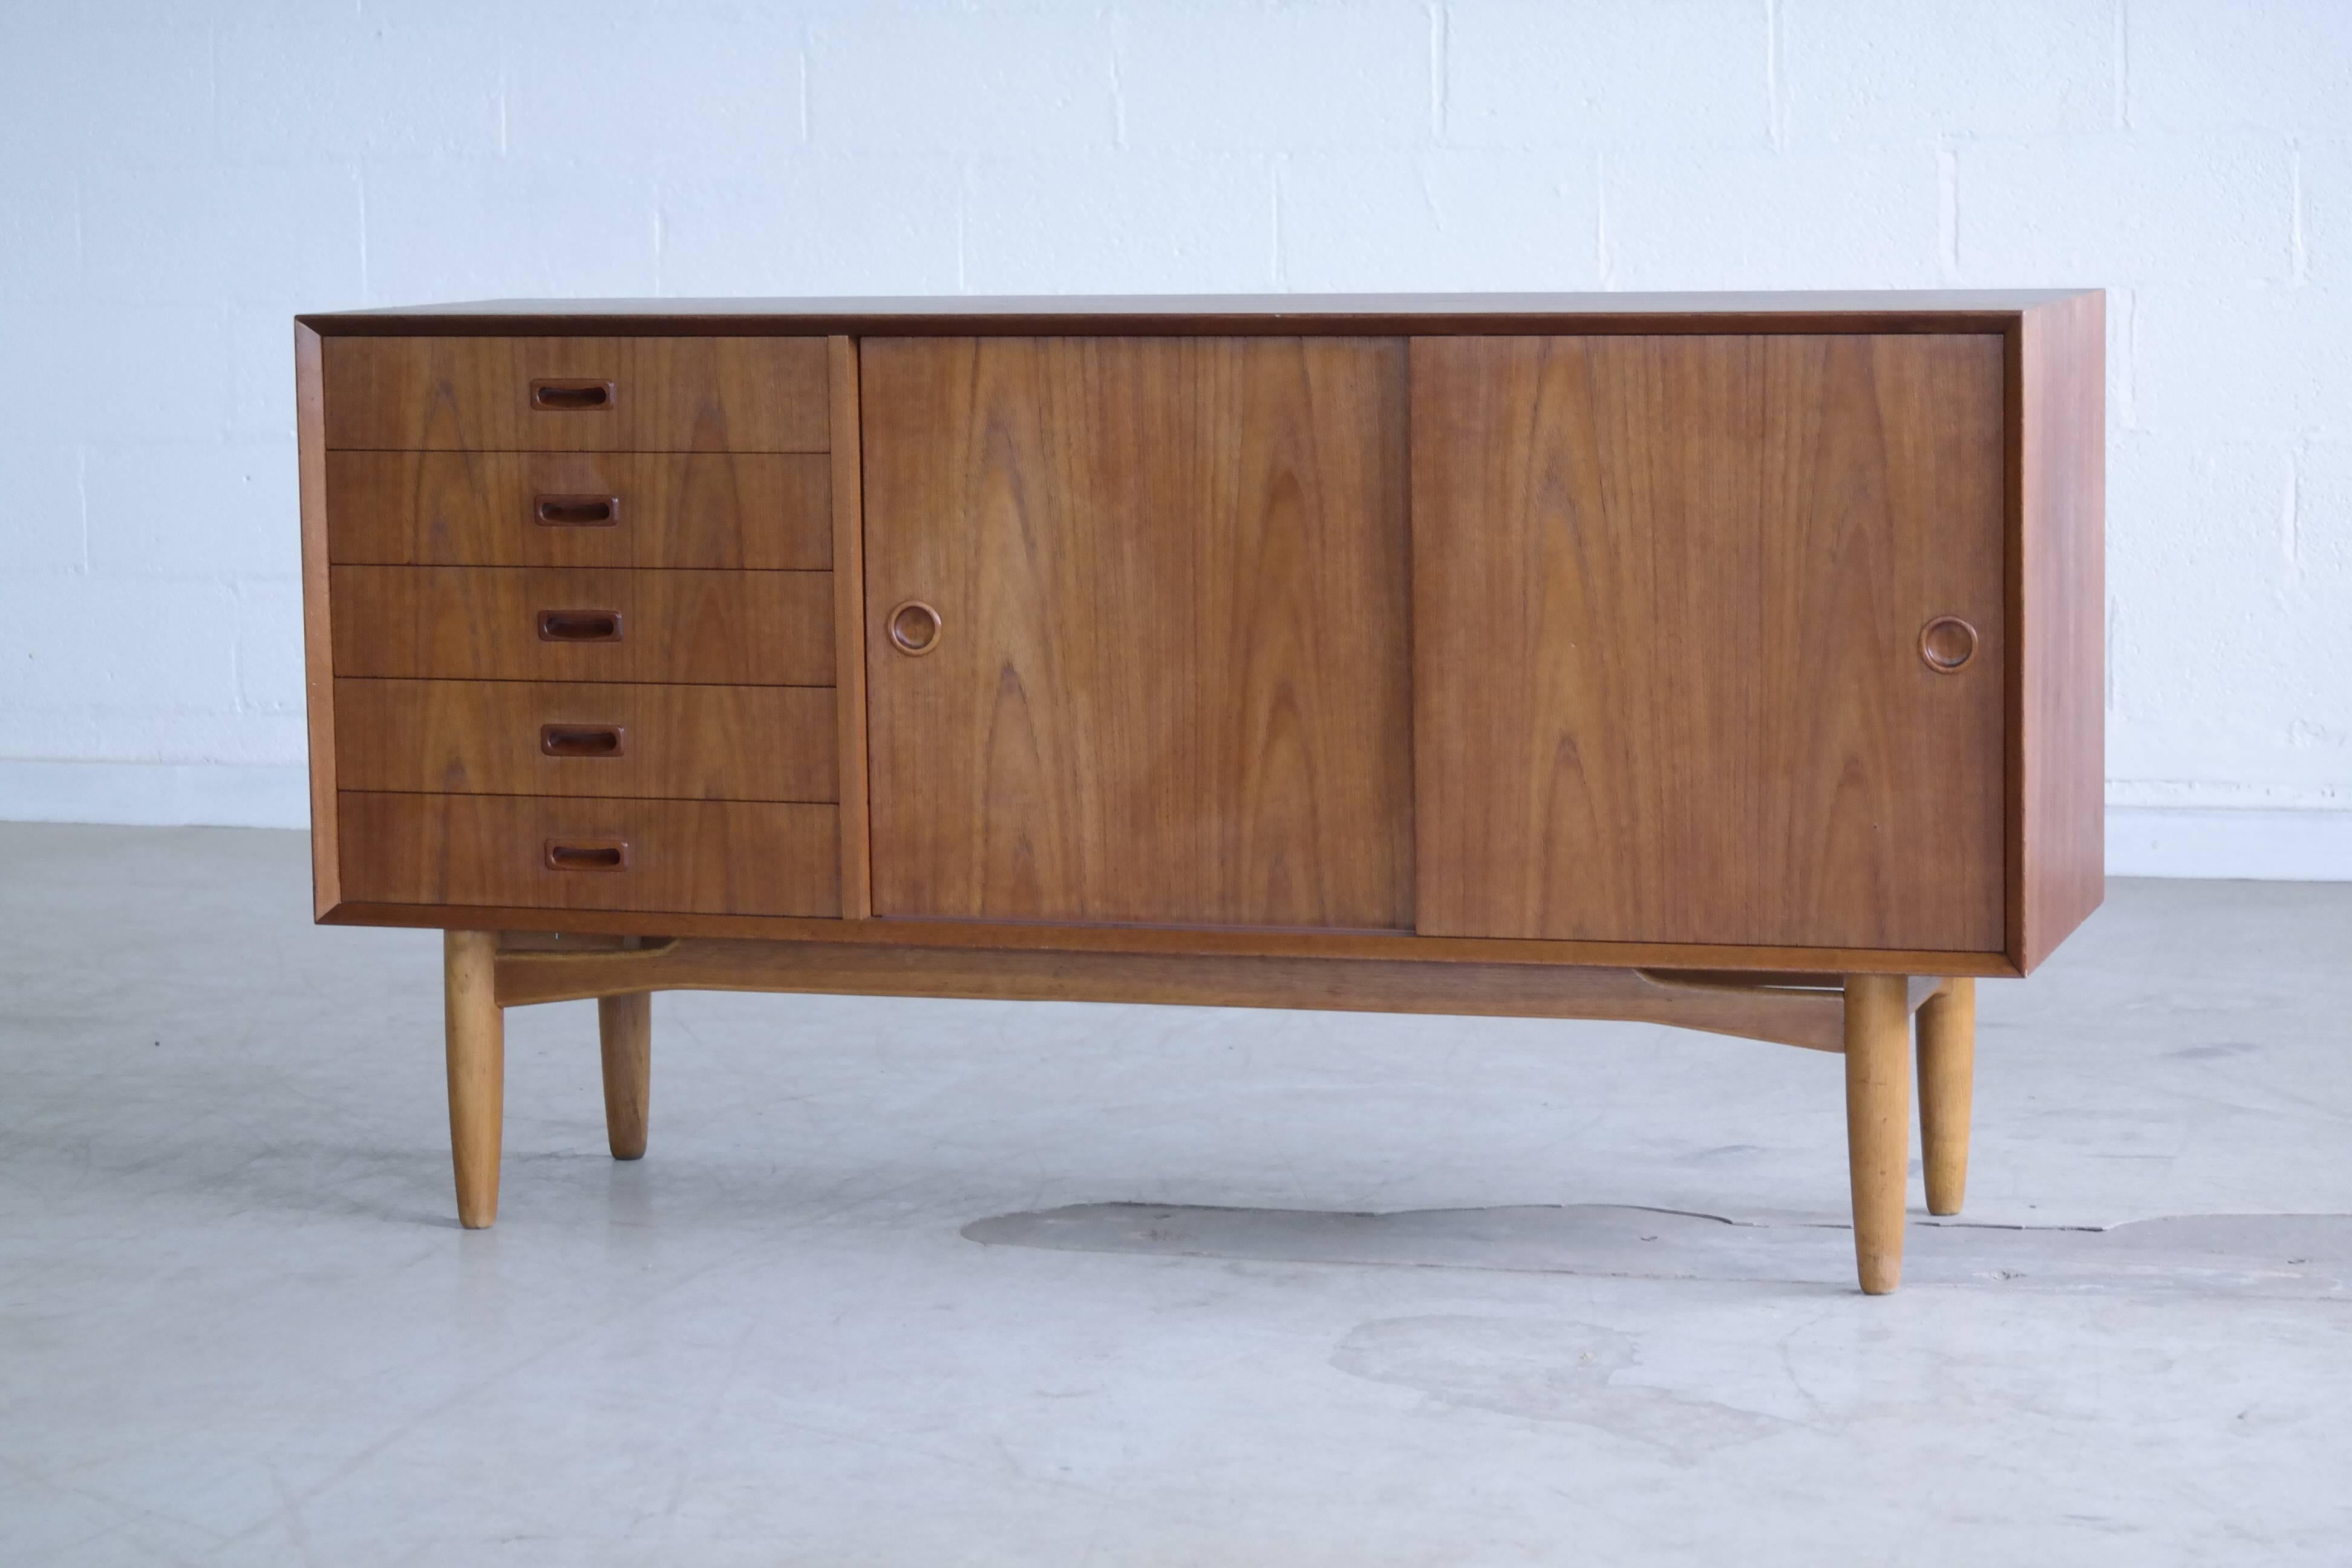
(178, 177)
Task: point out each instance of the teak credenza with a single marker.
(1729, 662)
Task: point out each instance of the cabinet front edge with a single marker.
(1261, 943)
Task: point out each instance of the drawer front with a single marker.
(764, 511)
(505, 737)
(504, 623)
(674, 856)
(575, 395)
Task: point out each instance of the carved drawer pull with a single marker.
(1947, 643)
(914, 627)
(576, 511)
(571, 396)
(583, 740)
(587, 853)
(580, 625)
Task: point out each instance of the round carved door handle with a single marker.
(914, 627)
(1947, 643)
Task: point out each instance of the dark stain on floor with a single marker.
(2288, 1256)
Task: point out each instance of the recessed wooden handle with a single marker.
(583, 740)
(580, 625)
(571, 396)
(914, 627)
(587, 853)
(576, 511)
(1947, 643)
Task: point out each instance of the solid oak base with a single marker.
(1867, 1017)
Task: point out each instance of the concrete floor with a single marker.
(830, 1321)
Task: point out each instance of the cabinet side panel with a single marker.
(2062, 589)
(317, 631)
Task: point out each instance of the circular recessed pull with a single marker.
(1947, 643)
(914, 627)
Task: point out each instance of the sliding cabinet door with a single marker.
(1709, 639)
(1138, 646)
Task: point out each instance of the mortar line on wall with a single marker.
(2126, 384)
(2167, 792)
(2123, 67)
(81, 497)
(1947, 208)
(962, 217)
(1117, 97)
(2299, 260)
(236, 649)
(1436, 71)
(1603, 264)
(2107, 669)
(2291, 509)
(1273, 214)
(359, 172)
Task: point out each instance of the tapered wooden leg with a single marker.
(624, 1025)
(1878, 1122)
(1947, 1076)
(477, 1069)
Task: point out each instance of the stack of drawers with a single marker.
(582, 634)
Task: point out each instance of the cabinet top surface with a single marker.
(1860, 311)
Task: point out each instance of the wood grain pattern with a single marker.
(476, 1035)
(318, 620)
(766, 511)
(1812, 1019)
(683, 856)
(669, 394)
(1921, 987)
(1877, 1124)
(849, 631)
(482, 737)
(1281, 315)
(1948, 1067)
(1173, 682)
(1668, 592)
(481, 623)
(624, 1041)
(1221, 942)
(2058, 700)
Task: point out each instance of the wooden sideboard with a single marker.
(1729, 662)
